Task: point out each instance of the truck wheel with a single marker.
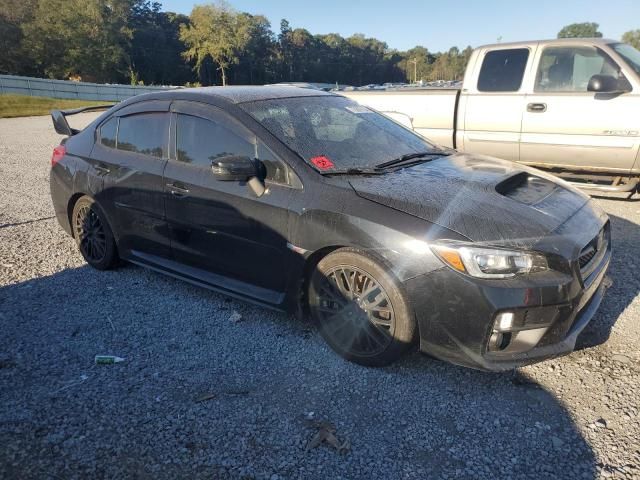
(360, 308)
(93, 234)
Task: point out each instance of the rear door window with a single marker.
(144, 133)
(503, 70)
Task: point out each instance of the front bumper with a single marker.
(456, 327)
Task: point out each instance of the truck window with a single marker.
(503, 70)
(569, 69)
(630, 54)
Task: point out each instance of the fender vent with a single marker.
(593, 252)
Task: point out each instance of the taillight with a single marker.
(58, 153)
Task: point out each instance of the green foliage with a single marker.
(632, 37)
(580, 30)
(155, 53)
(24, 105)
(86, 38)
(14, 14)
(216, 32)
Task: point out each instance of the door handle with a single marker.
(177, 190)
(537, 107)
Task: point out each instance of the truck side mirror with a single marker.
(607, 84)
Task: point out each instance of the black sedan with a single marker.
(307, 202)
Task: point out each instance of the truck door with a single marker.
(565, 125)
(493, 100)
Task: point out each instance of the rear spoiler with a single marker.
(60, 122)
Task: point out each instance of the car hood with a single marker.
(485, 199)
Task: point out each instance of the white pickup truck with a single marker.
(571, 106)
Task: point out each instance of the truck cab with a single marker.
(568, 105)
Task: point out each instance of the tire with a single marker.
(93, 235)
(360, 308)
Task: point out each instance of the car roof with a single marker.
(241, 94)
(557, 41)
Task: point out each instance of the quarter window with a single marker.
(144, 133)
(503, 70)
(108, 132)
(276, 171)
(569, 69)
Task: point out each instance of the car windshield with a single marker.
(630, 54)
(335, 134)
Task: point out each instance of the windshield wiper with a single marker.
(418, 157)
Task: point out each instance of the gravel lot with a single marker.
(204, 395)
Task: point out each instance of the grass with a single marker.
(24, 105)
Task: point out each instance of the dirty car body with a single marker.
(502, 265)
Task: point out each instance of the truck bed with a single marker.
(431, 112)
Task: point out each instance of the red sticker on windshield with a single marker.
(322, 162)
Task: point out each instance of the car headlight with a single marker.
(482, 262)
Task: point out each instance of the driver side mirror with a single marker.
(234, 168)
(607, 84)
(238, 168)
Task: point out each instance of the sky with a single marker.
(439, 25)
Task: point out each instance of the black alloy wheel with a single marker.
(93, 235)
(90, 232)
(360, 308)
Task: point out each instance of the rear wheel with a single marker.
(360, 308)
(93, 234)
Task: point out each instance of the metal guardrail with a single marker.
(42, 87)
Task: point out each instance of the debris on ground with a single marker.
(108, 359)
(621, 358)
(235, 317)
(205, 396)
(326, 434)
(83, 378)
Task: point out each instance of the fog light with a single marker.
(504, 321)
(499, 341)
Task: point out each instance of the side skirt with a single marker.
(211, 281)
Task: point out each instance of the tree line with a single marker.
(134, 41)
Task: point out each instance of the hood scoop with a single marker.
(526, 188)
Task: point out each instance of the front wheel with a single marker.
(93, 234)
(360, 308)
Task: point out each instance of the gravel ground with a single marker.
(203, 394)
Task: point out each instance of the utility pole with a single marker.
(415, 69)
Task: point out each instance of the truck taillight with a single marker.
(58, 153)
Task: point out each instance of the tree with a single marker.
(580, 30)
(155, 50)
(258, 60)
(632, 37)
(13, 14)
(85, 38)
(216, 32)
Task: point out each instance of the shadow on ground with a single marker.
(268, 376)
(625, 287)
